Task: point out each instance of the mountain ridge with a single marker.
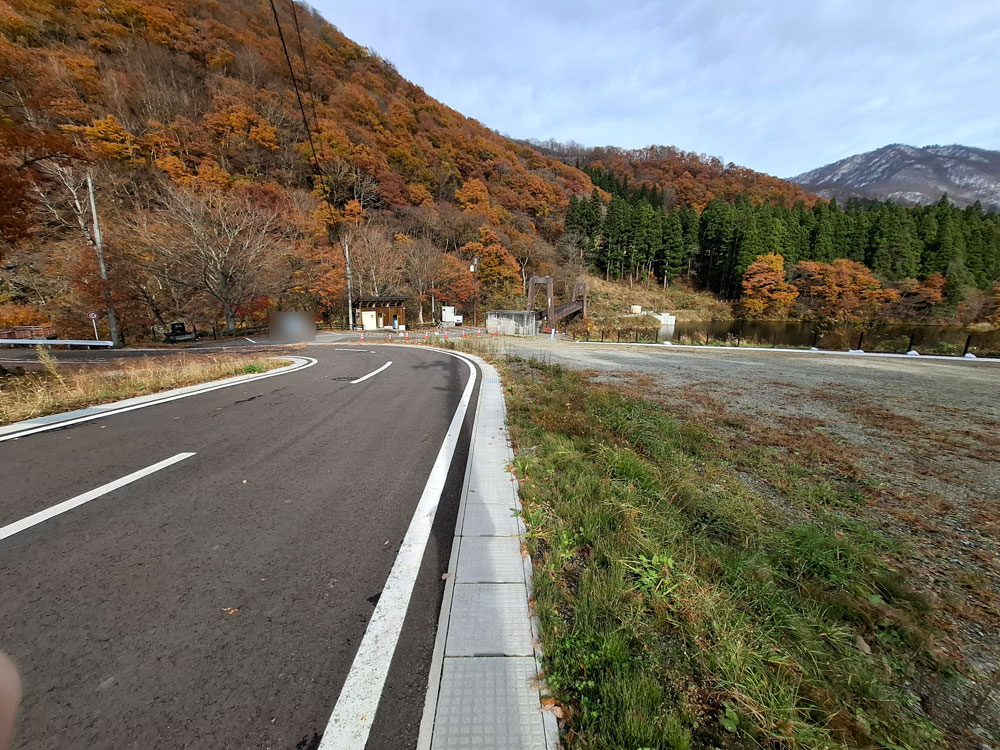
(911, 175)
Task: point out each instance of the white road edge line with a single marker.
(372, 374)
(250, 339)
(74, 502)
(353, 715)
(300, 364)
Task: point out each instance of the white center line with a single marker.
(372, 374)
(74, 502)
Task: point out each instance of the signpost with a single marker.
(93, 319)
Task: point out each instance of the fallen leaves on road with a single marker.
(231, 610)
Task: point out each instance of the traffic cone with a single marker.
(390, 338)
(479, 333)
(407, 335)
(446, 335)
(426, 335)
(463, 333)
(362, 337)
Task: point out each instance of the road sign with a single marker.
(92, 316)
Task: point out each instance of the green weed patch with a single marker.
(684, 607)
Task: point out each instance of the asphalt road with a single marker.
(219, 602)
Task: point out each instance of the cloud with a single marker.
(782, 86)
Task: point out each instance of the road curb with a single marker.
(828, 352)
(53, 421)
(483, 689)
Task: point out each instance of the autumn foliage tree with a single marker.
(994, 316)
(454, 280)
(497, 271)
(917, 299)
(843, 291)
(765, 291)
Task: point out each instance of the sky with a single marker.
(776, 85)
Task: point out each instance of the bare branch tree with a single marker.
(222, 244)
(421, 268)
(377, 266)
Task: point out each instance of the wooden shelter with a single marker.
(376, 313)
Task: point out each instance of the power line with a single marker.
(305, 64)
(312, 147)
(298, 94)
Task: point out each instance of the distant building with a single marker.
(376, 313)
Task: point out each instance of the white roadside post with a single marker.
(93, 319)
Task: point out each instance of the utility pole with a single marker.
(475, 283)
(102, 267)
(350, 296)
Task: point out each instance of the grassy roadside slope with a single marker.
(686, 601)
(52, 390)
(614, 298)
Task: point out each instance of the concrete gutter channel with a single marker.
(483, 690)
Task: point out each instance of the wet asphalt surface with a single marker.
(219, 602)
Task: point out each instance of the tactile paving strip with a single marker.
(492, 486)
(488, 703)
(483, 693)
(490, 559)
(490, 519)
(489, 619)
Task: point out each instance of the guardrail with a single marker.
(54, 342)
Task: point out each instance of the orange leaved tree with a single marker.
(766, 294)
(497, 271)
(843, 291)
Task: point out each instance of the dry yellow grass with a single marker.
(55, 390)
(615, 297)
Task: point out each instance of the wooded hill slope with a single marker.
(682, 178)
(212, 204)
(185, 113)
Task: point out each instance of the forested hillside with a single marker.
(223, 190)
(683, 178)
(637, 236)
(210, 199)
